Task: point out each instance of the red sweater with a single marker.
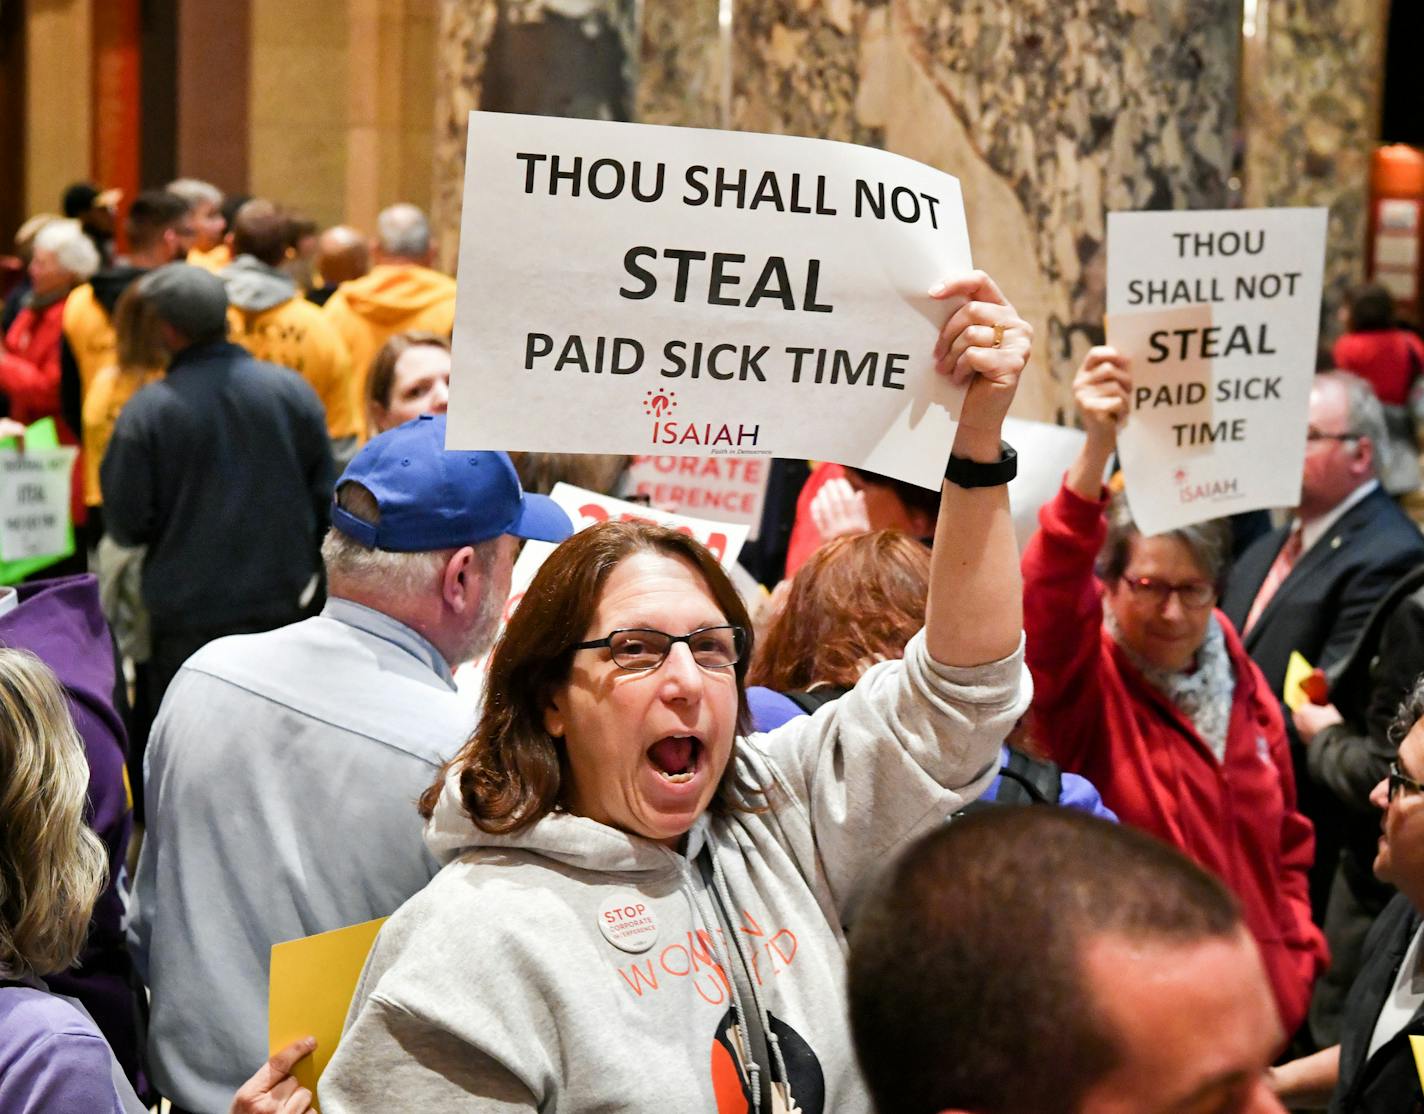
(1098, 716)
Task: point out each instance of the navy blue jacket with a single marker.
(223, 470)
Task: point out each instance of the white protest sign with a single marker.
(732, 488)
(1220, 314)
(585, 509)
(631, 288)
(34, 501)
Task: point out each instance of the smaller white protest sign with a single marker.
(1219, 313)
(34, 501)
(731, 488)
(588, 508)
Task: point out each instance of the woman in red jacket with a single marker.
(1144, 688)
(63, 257)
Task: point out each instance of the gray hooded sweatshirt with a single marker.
(253, 286)
(573, 967)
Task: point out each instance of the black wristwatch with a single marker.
(973, 473)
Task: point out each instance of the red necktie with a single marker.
(1279, 570)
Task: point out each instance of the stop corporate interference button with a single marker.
(627, 922)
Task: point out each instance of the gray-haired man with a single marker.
(284, 768)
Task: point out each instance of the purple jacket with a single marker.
(61, 623)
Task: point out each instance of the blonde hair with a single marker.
(52, 867)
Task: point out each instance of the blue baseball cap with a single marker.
(433, 499)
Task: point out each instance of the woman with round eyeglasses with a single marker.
(1144, 688)
(644, 902)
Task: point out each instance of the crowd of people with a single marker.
(893, 819)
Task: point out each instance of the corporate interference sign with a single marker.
(1219, 313)
(661, 291)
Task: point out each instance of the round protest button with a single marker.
(627, 922)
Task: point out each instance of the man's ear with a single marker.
(460, 581)
(1366, 455)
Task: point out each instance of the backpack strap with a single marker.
(811, 699)
(1032, 780)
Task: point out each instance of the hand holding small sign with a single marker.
(1102, 392)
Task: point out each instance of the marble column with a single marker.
(1050, 112)
(685, 64)
(557, 57)
(1314, 77)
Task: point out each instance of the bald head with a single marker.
(260, 230)
(342, 254)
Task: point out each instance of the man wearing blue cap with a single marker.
(284, 767)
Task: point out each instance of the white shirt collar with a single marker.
(1311, 532)
(9, 600)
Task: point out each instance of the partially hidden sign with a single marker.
(1219, 313)
(35, 526)
(730, 489)
(588, 508)
(632, 288)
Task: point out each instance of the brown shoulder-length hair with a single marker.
(856, 600)
(512, 770)
(382, 375)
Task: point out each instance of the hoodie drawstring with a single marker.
(738, 969)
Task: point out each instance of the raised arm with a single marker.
(1063, 609)
(975, 612)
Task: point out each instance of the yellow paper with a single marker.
(1297, 670)
(310, 989)
(1417, 1043)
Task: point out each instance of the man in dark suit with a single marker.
(1372, 1068)
(1311, 585)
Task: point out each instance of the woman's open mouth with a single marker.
(676, 757)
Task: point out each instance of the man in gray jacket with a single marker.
(284, 767)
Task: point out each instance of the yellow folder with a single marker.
(310, 988)
(1297, 670)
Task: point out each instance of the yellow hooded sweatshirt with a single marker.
(392, 298)
(271, 320)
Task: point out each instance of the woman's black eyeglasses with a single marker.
(640, 649)
(1399, 781)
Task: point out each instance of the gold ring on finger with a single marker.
(998, 335)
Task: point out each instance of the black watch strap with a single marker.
(973, 473)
